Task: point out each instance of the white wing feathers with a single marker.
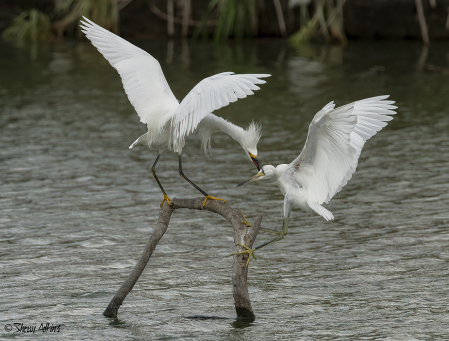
(142, 76)
(150, 94)
(334, 142)
(328, 107)
(210, 94)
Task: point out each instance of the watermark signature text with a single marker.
(18, 327)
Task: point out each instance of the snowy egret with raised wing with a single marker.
(327, 161)
(170, 122)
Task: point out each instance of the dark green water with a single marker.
(77, 206)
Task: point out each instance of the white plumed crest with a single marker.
(252, 135)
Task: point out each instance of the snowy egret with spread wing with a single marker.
(170, 122)
(328, 160)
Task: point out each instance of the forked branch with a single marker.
(243, 234)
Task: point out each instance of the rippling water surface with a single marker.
(77, 206)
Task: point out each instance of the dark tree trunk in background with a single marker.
(362, 18)
(393, 19)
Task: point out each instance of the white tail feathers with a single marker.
(144, 139)
(321, 210)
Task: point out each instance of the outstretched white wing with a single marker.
(141, 74)
(334, 142)
(210, 94)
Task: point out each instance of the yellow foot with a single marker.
(211, 197)
(166, 199)
(248, 250)
(245, 221)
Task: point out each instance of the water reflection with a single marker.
(76, 206)
(305, 76)
(241, 324)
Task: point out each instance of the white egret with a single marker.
(170, 122)
(329, 157)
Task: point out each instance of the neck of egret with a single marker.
(247, 138)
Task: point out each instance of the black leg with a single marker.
(188, 180)
(153, 171)
(282, 233)
(191, 182)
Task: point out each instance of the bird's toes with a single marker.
(166, 199)
(212, 198)
(249, 251)
(245, 221)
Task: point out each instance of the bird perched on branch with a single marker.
(327, 161)
(170, 122)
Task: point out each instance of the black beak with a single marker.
(244, 182)
(254, 178)
(256, 162)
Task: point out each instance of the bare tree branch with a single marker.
(243, 234)
(162, 225)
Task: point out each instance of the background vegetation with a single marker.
(302, 20)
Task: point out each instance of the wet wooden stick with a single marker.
(242, 234)
(245, 235)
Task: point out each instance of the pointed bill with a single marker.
(254, 178)
(255, 161)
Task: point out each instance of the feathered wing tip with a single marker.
(329, 106)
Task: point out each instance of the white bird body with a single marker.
(329, 157)
(170, 122)
(295, 195)
(207, 126)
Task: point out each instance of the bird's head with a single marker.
(249, 142)
(267, 174)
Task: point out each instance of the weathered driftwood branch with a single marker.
(243, 234)
(162, 225)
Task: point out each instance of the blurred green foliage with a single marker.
(31, 25)
(326, 22)
(34, 25)
(236, 18)
(103, 12)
